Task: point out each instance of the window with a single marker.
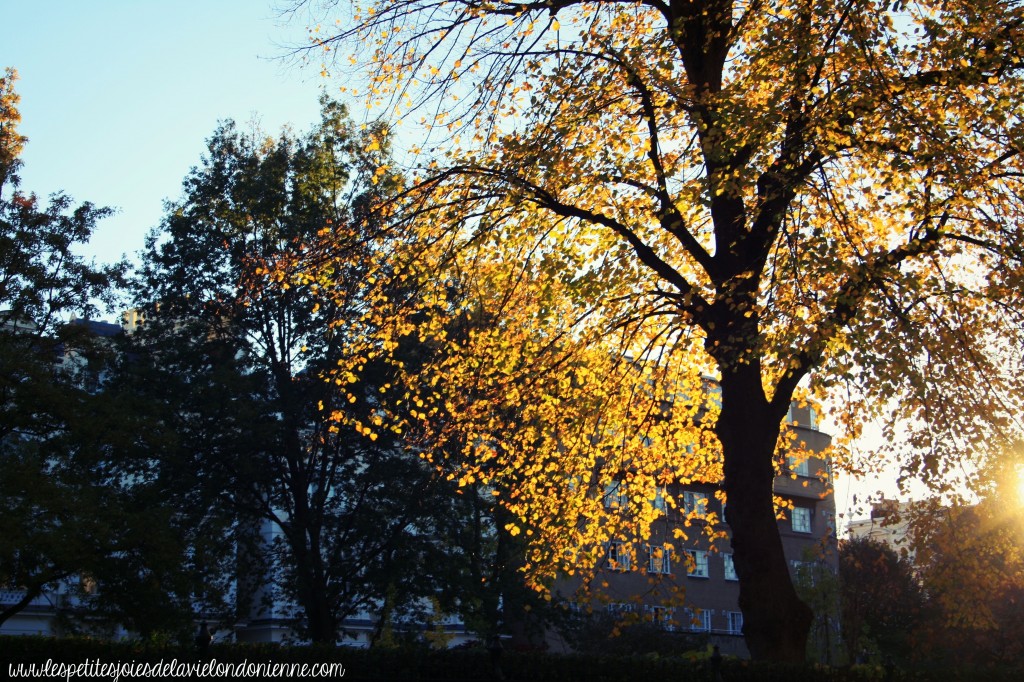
(734, 622)
(615, 495)
(802, 416)
(730, 567)
(618, 557)
(698, 567)
(619, 608)
(697, 620)
(800, 467)
(660, 616)
(808, 573)
(659, 502)
(801, 519)
(803, 571)
(660, 559)
(695, 502)
(714, 391)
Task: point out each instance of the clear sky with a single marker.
(119, 96)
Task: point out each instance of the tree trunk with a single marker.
(776, 623)
(311, 588)
(322, 628)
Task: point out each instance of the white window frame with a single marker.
(618, 557)
(659, 559)
(800, 467)
(800, 519)
(734, 622)
(729, 567)
(797, 566)
(695, 502)
(697, 620)
(659, 502)
(700, 563)
(615, 496)
(661, 616)
(807, 570)
(812, 416)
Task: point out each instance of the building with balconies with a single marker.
(690, 586)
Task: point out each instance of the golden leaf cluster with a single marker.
(624, 202)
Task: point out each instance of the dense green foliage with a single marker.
(882, 601)
(66, 509)
(233, 362)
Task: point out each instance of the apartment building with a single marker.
(887, 523)
(683, 587)
(690, 586)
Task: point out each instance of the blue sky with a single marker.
(119, 96)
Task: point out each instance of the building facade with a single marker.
(689, 586)
(680, 586)
(888, 523)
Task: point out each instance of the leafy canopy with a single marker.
(67, 508)
(238, 349)
(781, 187)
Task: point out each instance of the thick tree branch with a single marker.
(693, 302)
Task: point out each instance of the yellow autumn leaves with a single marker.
(838, 182)
(507, 379)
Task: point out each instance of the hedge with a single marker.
(476, 665)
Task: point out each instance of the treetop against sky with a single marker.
(117, 114)
(87, 153)
(815, 199)
(844, 170)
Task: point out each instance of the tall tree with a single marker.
(51, 483)
(809, 193)
(11, 141)
(241, 360)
